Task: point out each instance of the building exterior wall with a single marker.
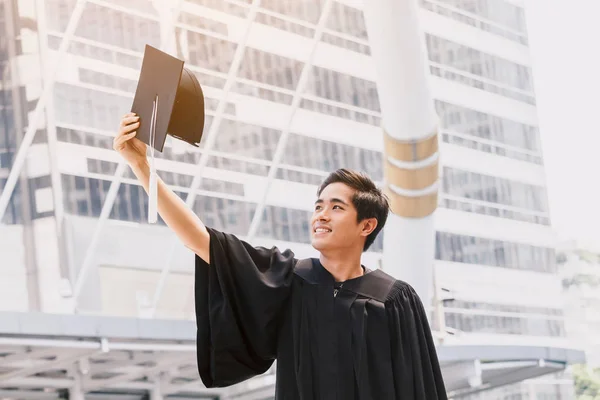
(495, 249)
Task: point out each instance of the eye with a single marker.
(337, 207)
(317, 207)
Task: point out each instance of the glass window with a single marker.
(347, 20)
(328, 109)
(247, 140)
(470, 185)
(229, 164)
(82, 106)
(231, 216)
(511, 325)
(306, 10)
(495, 253)
(209, 52)
(105, 25)
(223, 5)
(498, 17)
(499, 11)
(111, 81)
(284, 72)
(466, 64)
(284, 24)
(477, 317)
(486, 126)
(202, 22)
(85, 196)
(297, 176)
(327, 156)
(333, 85)
(346, 43)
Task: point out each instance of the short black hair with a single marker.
(368, 199)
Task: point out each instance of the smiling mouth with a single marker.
(321, 231)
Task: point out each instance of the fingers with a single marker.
(128, 119)
(128, 128)
(121, 139)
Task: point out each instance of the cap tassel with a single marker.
(153, 201)
(153, 185)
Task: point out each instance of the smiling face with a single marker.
(334, 221)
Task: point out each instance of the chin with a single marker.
(320, 244)
(317, 244)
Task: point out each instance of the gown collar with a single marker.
(373, 284)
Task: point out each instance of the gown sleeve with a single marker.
(416, 369)
(240, 298)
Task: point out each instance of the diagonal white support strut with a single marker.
(166, 40)
(211, 139)
(281, 144)
(39, 110)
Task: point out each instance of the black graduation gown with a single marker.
(254, 305)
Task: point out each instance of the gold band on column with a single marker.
(411, 179)
(410, 150)
(411, 207)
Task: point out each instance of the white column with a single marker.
(76, 391)
(409, 124)
(160, 380)
(57, 190)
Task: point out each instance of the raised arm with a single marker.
(176, 214)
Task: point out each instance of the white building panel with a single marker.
(481, 100)
(49, 274)
(13, 282)
(38, 160)
(487, 284)
(471, 224)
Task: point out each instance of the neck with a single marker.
(343, 265)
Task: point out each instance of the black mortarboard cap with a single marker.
(180, 111)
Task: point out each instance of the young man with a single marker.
(337, 329)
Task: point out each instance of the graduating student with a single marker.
(337, 329)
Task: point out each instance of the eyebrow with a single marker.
(333, 200)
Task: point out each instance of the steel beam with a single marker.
(61, 343)
(9, 361)
(297, 99)
(29, 395)
(162, 365)
(58, 362)
(39, 382)
(110, 366)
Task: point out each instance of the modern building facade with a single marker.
(495, 249)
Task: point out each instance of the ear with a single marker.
(368, 226)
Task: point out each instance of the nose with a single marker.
(322, 215)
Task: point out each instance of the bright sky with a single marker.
(565, 53)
